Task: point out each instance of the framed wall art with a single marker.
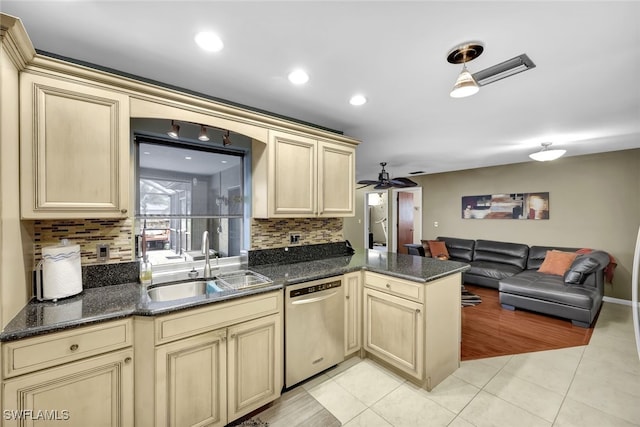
(506, 206)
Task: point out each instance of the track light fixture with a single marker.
(545, 155)
(226, 140)
(174, 131)
(203, 134)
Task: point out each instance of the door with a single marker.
(394, 331)
(94, 392)
(405, 221)
(191, 381)
(255, 364)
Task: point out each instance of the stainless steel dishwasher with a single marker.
(314, 328)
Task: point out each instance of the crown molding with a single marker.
(15, 41)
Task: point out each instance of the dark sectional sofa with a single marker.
(512, 268)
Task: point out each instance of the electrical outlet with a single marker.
(102, 251)
(294, 238)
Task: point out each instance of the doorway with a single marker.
(376, 220)
(406, 217)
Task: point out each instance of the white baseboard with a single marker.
(618, 301)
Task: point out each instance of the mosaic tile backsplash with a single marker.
(117, 233)
(274, 233)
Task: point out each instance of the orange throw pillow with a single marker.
(557, 262)
(438, 249)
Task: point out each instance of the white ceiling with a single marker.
(583, 95)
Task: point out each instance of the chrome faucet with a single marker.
(205, 251)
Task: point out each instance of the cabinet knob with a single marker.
(233, 336)
(223, 339)
(124, 211)
(347, 296)
(388, 286)
(417, 311)
(127, 360)
(73, 347)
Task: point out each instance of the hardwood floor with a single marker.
(488, 330)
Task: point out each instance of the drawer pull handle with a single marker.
(127, 360)
(124, 211)
(73, 347)
(388, 286)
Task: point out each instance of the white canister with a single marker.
(61, 272)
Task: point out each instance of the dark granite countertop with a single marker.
(98, 304)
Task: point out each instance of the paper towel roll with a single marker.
(61, 271)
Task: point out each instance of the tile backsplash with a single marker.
(274, 233)
(117, 233)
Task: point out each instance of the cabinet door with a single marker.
(336, 179)
(74, 149)
(394, 330)
(352, 312)
(255, 364)
(293, 183)
(191, 381)
(94, 392)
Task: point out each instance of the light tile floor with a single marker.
(595, 385)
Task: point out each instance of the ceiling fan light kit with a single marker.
(546, 155)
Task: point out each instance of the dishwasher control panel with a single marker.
(315, 288)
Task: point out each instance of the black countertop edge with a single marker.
(113, 302)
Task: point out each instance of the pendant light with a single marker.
(545, 155)
(465, 85)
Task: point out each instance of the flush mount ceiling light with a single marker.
(209, 41)
(298, 77)
(545, 155)
(465, 83)
(203, 134)
(174, 131)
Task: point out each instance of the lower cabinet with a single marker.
(352, 312)
(81, 377)
(211, 377)
(394, 330)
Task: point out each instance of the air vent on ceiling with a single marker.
(504, 69)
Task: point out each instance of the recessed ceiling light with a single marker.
(209, 41)
(187, 157)
(223, 161)
(146, 152)
(298, 77)
(358, 100)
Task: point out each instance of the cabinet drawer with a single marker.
(41, 352)
(392, 285)
(193, 322)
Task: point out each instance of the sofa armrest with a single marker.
(596, 278)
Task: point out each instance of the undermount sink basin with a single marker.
(243, 279)
(238, 280)
(183, 290)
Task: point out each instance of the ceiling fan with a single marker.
(385, 182)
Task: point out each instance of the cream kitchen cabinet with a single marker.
(210, 365)
(413, 327)
(74, 149)
(299, 176)
(79, 377)
(352, 312)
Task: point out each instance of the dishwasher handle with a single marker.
(312, 300)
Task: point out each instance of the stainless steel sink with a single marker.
(183, 290)
(243, 279)
(235, 281)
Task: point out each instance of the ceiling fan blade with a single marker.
(403, 182)
(383, 186)
(368, 182)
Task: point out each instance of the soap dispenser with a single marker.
(146, 273)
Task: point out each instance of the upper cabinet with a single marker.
(300, 176)
(74, 142)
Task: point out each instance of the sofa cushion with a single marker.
(459, 249)
(537, 254)
(557, 262)
(581, 267)
(438, 249)
(501, 252)
(549, 288)
(494, 270)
